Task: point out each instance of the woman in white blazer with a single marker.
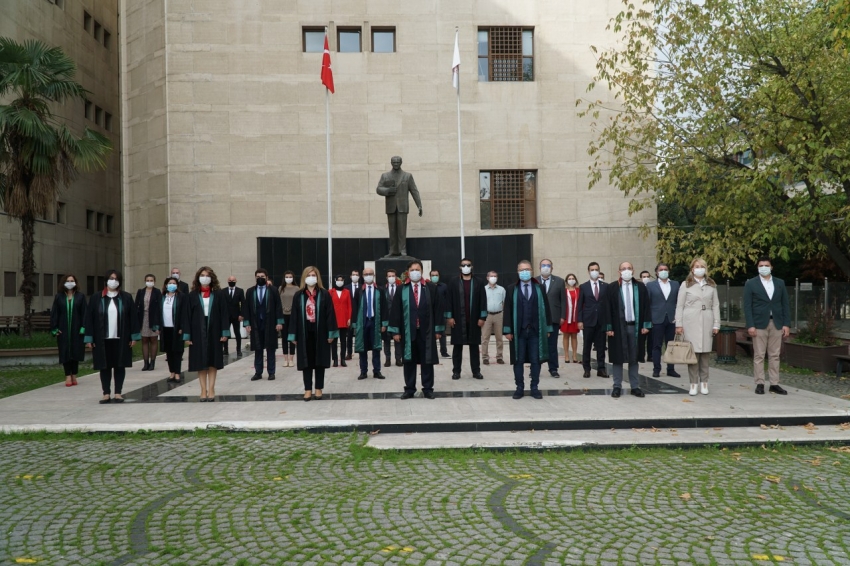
(698, 319)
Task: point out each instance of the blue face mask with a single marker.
(435, 279)
(525, 275)
(171, 287)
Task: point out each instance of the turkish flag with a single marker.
(327, 74)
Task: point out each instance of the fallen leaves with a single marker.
(842, 449)
(843, 426)
(772, 479)
(394, 548)
(29, 477)
(771, 427)
(762, 497)
(520, 476)
(767, 557)
(685, 496)
(810, 427)
(374, 432)
(686, 401)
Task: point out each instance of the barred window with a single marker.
(505, 54)
(508, 199)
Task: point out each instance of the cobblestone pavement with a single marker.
(326, 499)
(826, 384)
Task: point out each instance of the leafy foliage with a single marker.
(820, 324)
(736, 112)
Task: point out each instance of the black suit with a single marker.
(388, 340)
(589, 314)
(183, 287)
(234, 311)
(354, 291)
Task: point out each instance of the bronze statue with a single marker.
(394, 186)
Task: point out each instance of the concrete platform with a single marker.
(571, 403)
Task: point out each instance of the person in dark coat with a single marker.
(148, 301)
(466, 314)
(173, 312)
(262, 317)
(182, 286)
(591, 297)
(625, 315)
(417, 319)
(443, 293)
(369, 318)
(527, 325)
(235, 297)
(67, 319)
(112, 329)
(313, 330)
(206, 324)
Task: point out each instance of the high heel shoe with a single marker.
(318, 395)
(73, 381)
(308, 395)
(69, 383)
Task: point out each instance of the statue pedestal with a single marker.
(399, 263)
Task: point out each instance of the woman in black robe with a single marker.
(313, 330)
(67, 318)
(112, 329)
(172, 312)
(206, 324)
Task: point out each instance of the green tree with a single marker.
(38, 154)
(738, 110)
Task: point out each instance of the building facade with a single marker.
(82, 235)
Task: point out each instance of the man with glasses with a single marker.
(466, 315)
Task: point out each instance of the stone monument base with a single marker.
(399, 263)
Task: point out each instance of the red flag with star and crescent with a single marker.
(327, 73)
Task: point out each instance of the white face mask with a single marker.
(204, 280)
(311, 280)
(176, 276)
(70, 285)
(602, 280)
(149, 283)
(493, 280)
(764, 270)
(340, 284)
(289, 280)
(355, 278)
(545, 270)
(626, 274)
(466, 269)
(368, 279)
(646, 280)
(594, 274)
(113, 284)
(415, 275)
(391, 280)
(571, 282)
(699, 271)
(663, 274)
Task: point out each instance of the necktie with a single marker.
(392, 292)
(231, 292)
(630, 317)
(369, 313)
(596, 290)
(416, 293)
(527, 293)
(261, 294)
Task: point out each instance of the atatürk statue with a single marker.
(394, 186)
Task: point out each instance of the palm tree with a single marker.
(38, 154)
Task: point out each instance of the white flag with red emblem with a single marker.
(327, 73)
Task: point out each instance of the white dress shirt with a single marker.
(665, 288)
(112, 316)
(768, 286)
(168, 312)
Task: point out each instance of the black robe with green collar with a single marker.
(273, 316)
(69, 330)
(97, 327)
(358, 314)
(326, 328)
(401, 323)
(204, 331)
(467, 331)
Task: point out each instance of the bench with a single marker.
(8, 324)
(746, 345)
(40, 322)
(839, 363)
(14, 323)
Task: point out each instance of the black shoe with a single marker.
(518, 394)
(152, 365)
(778, 390)
(602, 373)
(554, 373)
(257, 377)
(500, 362)
(428, 394)
(760, 389)
(362, 376)
(271, 377)
(378, 375)
(225, 353)
(586, 374)
(146, 367)
(537, 394)
(238, 353)
(398, 363)
(477, 375)
(486, 362)
(455, 375)
(406, 395)
(638, 393)
(641, 360)
(388, 363)
(656, 374)
(335, 364)
(615, 393)
(348, 357)
(445, 355)
(673, 373)
(343, 364)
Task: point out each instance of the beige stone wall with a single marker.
(245, 123)
(70, 247)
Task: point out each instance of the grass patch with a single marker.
(14, 341)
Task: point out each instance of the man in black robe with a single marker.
(466, 315)
(262, 317)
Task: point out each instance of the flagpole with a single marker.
(328, 144)
(460, 160)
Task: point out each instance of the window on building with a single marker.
(98, 31)
(61, 211)
(89, 110)
(313, 39)
(348, 40)
(101, 222)
(87, 21)
(383, 40)
(10, 284)
(508, 199)
(90, 220)
(110, 223)
(90, 285)
(107, 38)
(98, 115)
(47, 286)
(107, 121)
(505, 54)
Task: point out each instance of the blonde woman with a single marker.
(312, 329)
(698, 320)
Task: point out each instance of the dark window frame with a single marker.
(506, 58)
(511, 201)
(383, 29)
(349, 29)
(87, 21)
(311, 29)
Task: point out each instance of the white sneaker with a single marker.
(693, 389)
(703, 388)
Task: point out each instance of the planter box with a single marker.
(817, 358)
(31, 357)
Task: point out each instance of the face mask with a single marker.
(368, 278)
(626, 274)
(340, 284)
(289, 280)
(391, 280)
(435, 279)
(545, 269)
(594, 274)
(70, 285)
(231, 283)
(699, 271)
(764, 270)
(466, 269)
(261, 281)
(113, 284)
(204, 280)
(149, 284)
(311, 280)
(646, 280)
(663, 274)
(493, 280)
(176, 276)
(355, 278)
(415, 275)
(602, 280)
(525, 275)
(171, 287)
(571, 282)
